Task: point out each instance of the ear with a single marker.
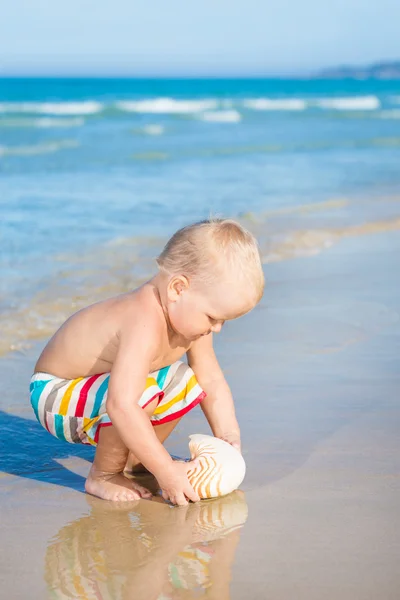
(176, 286)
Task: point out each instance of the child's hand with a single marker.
(175, 484)
(233, 438)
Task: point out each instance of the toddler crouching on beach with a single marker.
(112, 371)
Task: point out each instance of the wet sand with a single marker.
(315, 371)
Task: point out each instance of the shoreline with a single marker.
(284, 234)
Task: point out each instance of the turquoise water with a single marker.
(85, 163)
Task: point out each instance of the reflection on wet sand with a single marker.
(147, 550)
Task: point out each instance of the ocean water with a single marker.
(95, 173)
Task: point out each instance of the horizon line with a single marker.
(256, 73)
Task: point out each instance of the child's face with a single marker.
(197, 311)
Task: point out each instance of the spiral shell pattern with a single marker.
(220, 469)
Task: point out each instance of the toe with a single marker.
(142, 491)
(146, 494)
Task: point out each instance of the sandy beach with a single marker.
(315, 371)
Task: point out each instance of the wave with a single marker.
(167, 106)
(300, 104)
(275, 104)
(241, 150)
(307, 208)
(35, 149)
(87, 107)
(42, 122)
(151, 156)
(230, 106)
(390, 114)
(227, 109)
(153, 129)
(310, 242)
(222, 116)
(386, 142)
(348, 103)
(150, 129)
(122, 264)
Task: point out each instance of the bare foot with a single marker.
(115, 487)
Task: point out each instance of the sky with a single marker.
(183, 37)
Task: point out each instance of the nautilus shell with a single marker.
(220, 469)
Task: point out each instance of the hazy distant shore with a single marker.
(389, 70)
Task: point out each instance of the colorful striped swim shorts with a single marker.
(74, 409)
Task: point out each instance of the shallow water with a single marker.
(85, 164)
(121, 264)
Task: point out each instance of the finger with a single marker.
(191, 494)
(165, 496)
(180, 500)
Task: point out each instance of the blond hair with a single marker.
(206, 250)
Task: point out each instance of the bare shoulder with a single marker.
(90, 340)
(140, 314)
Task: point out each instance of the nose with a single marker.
(216, 328)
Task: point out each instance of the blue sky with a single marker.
(207, 37)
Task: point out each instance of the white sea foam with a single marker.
(275, 104)
(88, 107)
(42, 122)
(35, 149)
(167, 106)
(221, 116)
(153, 129)
(349, 103)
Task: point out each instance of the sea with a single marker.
(96, 173)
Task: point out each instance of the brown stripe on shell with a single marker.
(202, 481)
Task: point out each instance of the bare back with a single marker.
(87, 343)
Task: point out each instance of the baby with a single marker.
(111, 376)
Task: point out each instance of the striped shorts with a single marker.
(74, 409)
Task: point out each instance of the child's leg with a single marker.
(162, 432)
(181, 393)
(106, 478)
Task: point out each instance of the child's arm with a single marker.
(138, 344)
(218, 406)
